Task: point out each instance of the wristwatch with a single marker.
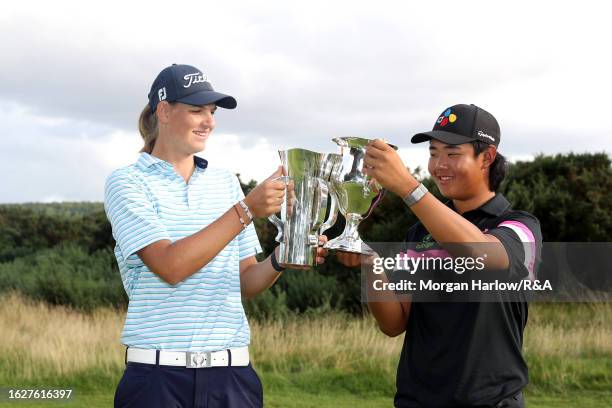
(416, 195)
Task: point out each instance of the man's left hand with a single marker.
(321, 252)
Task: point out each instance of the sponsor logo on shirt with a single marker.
(426, 242)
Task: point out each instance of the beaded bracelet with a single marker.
(246, 209)
(244, 224)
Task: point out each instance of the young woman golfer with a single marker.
(186, 251)
(459, 354)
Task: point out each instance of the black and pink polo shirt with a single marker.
(468, 354)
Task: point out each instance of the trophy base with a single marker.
(354, 246)
(298, 266)
(297, 256)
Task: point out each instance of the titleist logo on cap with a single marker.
(194, 78)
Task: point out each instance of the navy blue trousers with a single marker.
(158, 386)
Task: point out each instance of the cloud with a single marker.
(302, 72)
(58, 159)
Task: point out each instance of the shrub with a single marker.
(66, 275)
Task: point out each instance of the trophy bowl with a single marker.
(308, 209)
(356, 193)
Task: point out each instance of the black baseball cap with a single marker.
(186, 84)
(462, 124)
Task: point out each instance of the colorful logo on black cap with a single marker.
(446, 117)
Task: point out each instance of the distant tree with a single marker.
(44, 247)
(28, 228)
(571, 194)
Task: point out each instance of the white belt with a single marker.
(190, 359)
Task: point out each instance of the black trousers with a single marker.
(512, 402)
(515, 401)
(159, 386)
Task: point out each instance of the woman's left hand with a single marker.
(384, 164)
(321, 252)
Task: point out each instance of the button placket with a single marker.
(191, 190)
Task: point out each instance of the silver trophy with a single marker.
(304, 212)
(357, 195)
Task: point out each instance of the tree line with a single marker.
(63, 252)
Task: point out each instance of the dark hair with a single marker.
(497, 170)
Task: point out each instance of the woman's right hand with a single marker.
(267, 197)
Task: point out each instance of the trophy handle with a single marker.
(333, 212)
(278, 223)
(279, 226)
(320, 204)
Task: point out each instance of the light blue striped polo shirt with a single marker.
(147, 202)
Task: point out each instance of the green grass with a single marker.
(302, 400)
(326, 361)
(302, 390)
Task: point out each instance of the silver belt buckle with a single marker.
(199, 359)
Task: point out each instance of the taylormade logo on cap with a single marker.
(483, 134)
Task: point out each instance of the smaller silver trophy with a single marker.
(357, 195)
(304, 212)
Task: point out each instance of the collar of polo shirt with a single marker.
(147, 160)
(496, 206)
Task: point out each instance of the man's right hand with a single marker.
(349, 259)
(267, 198)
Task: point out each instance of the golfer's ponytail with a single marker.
(149, 130)
(497, 170)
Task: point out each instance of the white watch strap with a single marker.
(416, 195)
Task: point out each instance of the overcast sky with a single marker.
(75, 77)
